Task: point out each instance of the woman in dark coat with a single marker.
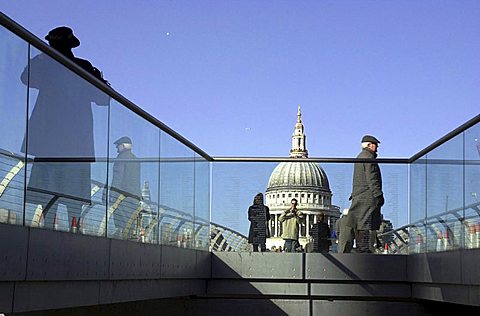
(61, 126)
(321, 235)
(259, 216)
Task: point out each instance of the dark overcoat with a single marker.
(61, 126)
(126, 181)
(367, 194)
(259, 216)
(126, 175)
(321, 237)
(345, 235)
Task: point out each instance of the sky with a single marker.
(229, 75)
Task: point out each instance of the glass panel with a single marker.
(322, 187)
(418, 205)
(445, 196)
(234, 185)
(63, 130)
(176, 193)
(395, 209)
(13, 109)
(472, 187)
(92, 215)
(202, 203)
(133, 176)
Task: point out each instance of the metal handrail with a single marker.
(311, 159)
(445, 138)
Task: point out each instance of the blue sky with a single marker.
(229, 75)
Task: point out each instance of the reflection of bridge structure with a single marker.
(170, 269)
(453, 227)
(169, 222)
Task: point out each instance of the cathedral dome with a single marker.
(293, 175)
(298, 175)
(304, 181)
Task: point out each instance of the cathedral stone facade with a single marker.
(305, 181)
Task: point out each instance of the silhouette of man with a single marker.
(61, 127)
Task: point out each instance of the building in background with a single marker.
(305, 181)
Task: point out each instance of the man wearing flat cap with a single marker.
(367, 195)
(125, 183)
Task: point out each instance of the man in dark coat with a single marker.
(345, 234)
(321, 235)
(367, 195)
(61, 126)
(259, 216)
(125, 183)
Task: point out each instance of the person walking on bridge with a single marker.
(367, 195)
(345, 234)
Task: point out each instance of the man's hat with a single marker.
(123, 140)
(370, 139)
(63, 35)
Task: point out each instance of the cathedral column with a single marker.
(275, 216)
(307, 230)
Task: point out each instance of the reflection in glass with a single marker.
(202, 203)
(13, 109)
(176, 193)
(418, 206)
(61, 138)
(124, 193)
(133, 171)
(472, 187)
(445, 196)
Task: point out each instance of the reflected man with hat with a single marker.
(60, 126)
(126, 182)
(367, 195)
(63, 40)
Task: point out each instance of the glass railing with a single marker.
(76, 157)
(60, 169)
(320, 186)
(444, 195)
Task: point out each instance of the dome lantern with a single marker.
(299, 139)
